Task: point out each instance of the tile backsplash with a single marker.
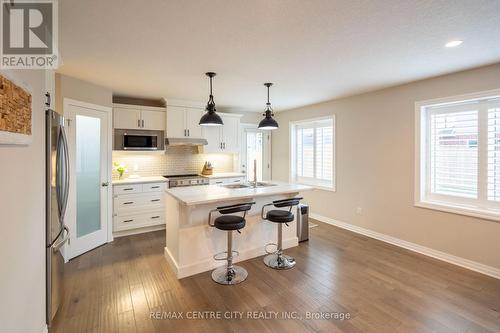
(175, 160)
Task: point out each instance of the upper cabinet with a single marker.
(138, 117)
(225, 138)
(182, 122)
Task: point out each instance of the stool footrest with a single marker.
(271, 244)
(217, 255)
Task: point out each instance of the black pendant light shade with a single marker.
(211, 118)
(268, 123)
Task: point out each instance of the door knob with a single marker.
(105, 184)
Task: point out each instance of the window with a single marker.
(312, 148)
(458, 155)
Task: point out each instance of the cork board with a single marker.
(15, 108)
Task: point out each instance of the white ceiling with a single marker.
(313, 50)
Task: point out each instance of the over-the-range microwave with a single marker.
(137, 140)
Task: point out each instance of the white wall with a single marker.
(22, 220)
(375, 166)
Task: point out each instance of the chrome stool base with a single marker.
(279, 261)
(234, 275)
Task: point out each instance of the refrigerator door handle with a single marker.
(59, 186)
(64, 203)
(56, 246)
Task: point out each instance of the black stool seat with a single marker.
(229, 222)
(279, 216)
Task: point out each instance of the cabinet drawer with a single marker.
(127, 189)
(138, 220)
(126, 204)
(153, 187)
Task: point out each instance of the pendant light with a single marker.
(210, 118)
(268, 123)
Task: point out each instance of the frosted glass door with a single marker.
(88, 215)
(88, 175)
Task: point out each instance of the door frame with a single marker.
(266, 153)
(67, 103)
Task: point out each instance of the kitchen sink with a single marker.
(247, 185)
(233, 186)
(261, 184)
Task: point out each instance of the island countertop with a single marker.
(196, 195)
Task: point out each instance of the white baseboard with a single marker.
(449, 258)
(209, 264)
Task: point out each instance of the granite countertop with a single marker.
(195, 195)
(224, 175)
(140, 180)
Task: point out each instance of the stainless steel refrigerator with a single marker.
(57, 186)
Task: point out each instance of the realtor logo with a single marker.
(29, 34)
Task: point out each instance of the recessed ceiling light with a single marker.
(453, 43)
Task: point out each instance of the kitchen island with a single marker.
(191, 243)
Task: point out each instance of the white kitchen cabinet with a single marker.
(183, 122)
(137, 206)
(230, 134)
(225, 138)
(138, 117)
(153, 120)
(193, 123)
(126, 118)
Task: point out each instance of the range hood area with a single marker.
(185, 142)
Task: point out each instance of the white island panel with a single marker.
(191, 243)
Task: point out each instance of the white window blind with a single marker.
(454, 153)
(313, 152)
(494, 154)
(460, 156)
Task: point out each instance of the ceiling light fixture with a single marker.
(268, 123)
(211, 118)
(453, 43)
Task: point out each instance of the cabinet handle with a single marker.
(185, 133)
(142, 123)
(218, 182)
(188, 133)
(125, 221)
(220, 145)
(224, 145)
(138, 123)
(155, 217)
(128, 189)
(154, 200)
(155, 186)
(128, 203)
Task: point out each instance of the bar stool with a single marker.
(229, 274)
(277, 259)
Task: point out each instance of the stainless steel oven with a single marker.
(138, 140)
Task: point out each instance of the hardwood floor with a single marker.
(384, 289)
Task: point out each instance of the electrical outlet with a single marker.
(359, 210)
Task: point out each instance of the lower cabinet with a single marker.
(138, 206)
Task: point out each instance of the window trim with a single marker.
(433, 201)
(292, 163)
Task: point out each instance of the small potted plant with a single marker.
(120, 168)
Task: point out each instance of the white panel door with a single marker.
(231, 134)
(89, 201)
(193, 123)
(153, 120)
(176, 122)
(126, 118)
